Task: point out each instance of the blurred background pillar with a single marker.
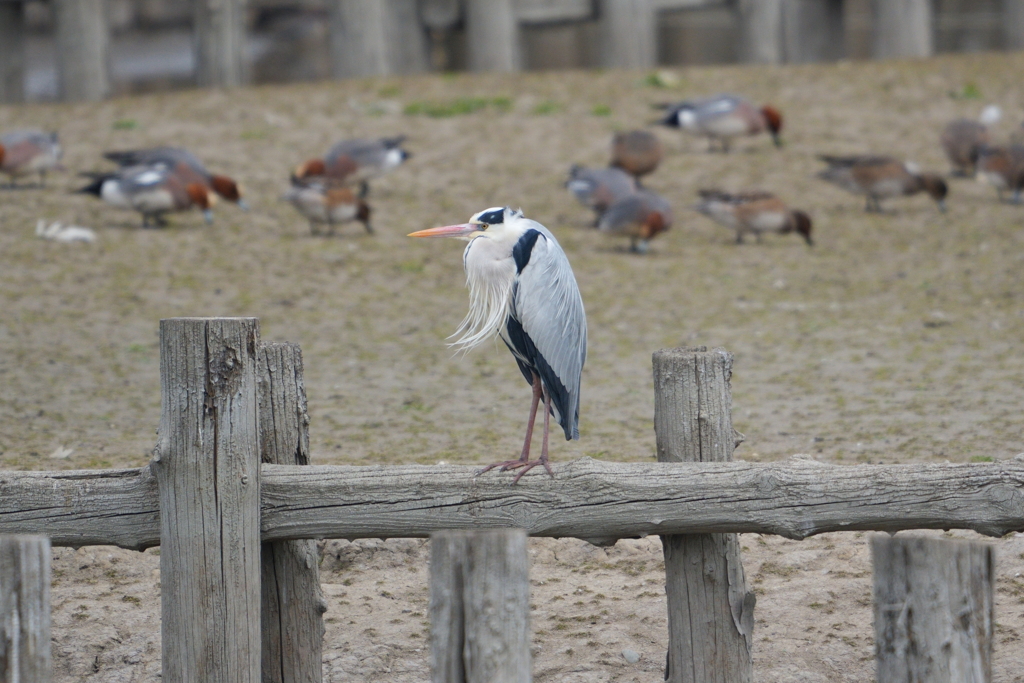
(376, 38)
(761, 31)
(1013, 24)
(83, 43)
(12, 51)
(492, 36)
(901, 28)
(813, 31)
(219, 42)
(628, 34)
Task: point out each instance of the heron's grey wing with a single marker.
(547, 303)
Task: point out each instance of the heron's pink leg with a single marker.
(527, 466)
(525, 455)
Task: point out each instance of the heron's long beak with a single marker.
(461, 230)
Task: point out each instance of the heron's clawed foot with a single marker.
(526, 466)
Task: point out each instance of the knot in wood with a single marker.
(225, 371)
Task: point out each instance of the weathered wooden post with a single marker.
(901, 28)
(479, 606)
(12, 51)
(761, 31)
(933, 610)
(25, 609)
(492, 30)
(293, 602)
(710, 610)
(1013, 24)
(82, 44)
(219, 42)
(207, 468)
(628, 34)
(812, 30)
(376, 38)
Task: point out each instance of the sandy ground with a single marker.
(895, 339)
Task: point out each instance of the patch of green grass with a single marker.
(255, 134)
(125, 124)
(970, 91)
(457, 107)
(981, 458)
(601, 110)
(547, 107)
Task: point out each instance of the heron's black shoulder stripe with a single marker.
(524, 247)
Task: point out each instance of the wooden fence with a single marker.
(384, 37)
(230, 472)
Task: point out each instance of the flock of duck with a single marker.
(623, 206)
(333, 189)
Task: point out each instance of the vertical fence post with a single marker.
(812, 31)
(901, 28)
(628, 34)
(479, 606)
(376, 38)
(933, 610)
(25, 609)
(207, 469)
(492, 36)
(1013, 24)
(219, 42)
(761, 31)
(710, 610)
(12, 51)
(293, 602)
(82, 44)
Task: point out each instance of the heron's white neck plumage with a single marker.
(490, 274)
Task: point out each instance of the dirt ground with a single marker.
(895, 339)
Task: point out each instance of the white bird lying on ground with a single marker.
(58, 232)
(522, 288)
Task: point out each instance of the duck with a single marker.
(23, 152)
(880, 177)
(186, 165)
(153, 191)
(1003, 167)
(641, 216)
(724, 117)
(356, 162)
(753, 212)
(637, 152)
(962, 139)
(321, 201)
(599, 188)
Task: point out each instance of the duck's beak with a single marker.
(463, 230)
(243, 205)
(942, 205)
(208, 216)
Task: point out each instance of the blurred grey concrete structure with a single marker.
(88, 49)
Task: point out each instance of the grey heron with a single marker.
(521, 288)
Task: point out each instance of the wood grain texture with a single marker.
(12, 52)
(586, 499)
(207, 469)
(710, 609)
(293, 601)
(902, 28)
(480, 606)
(376, 38)
(933, 610)
(25, 609)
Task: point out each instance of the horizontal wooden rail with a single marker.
(588, 499)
